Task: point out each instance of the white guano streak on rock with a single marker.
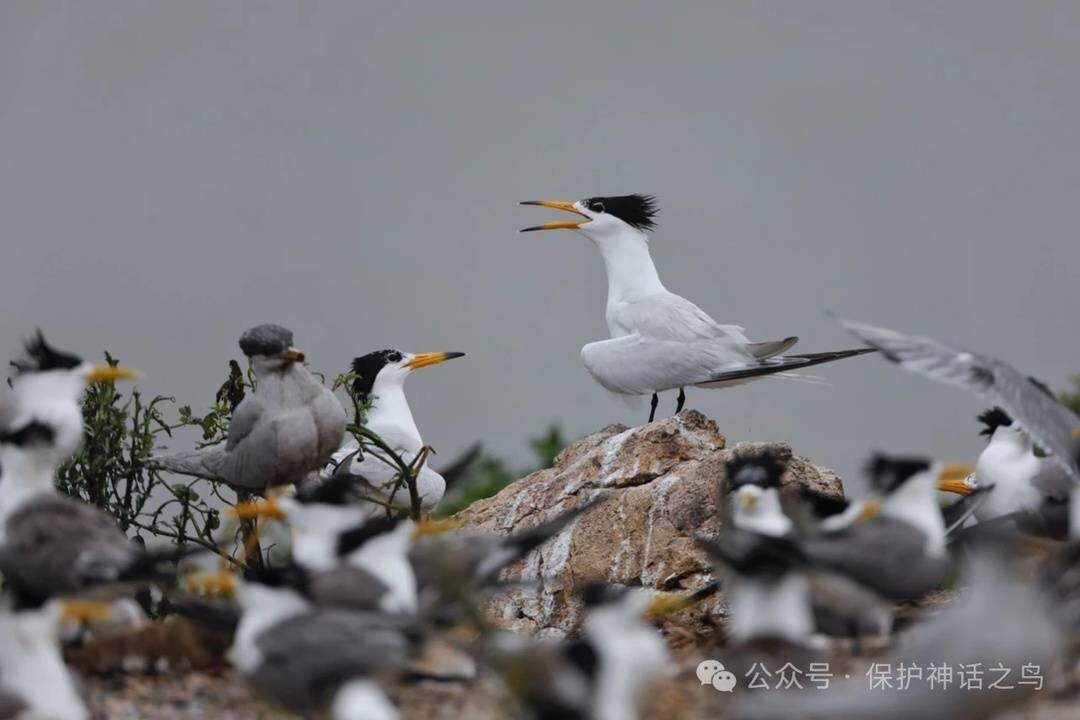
(663, 487)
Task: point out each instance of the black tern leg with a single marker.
(652, 405)
(681, 402)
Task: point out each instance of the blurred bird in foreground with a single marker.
(1030, 406)
(34, 681)
(51, 543)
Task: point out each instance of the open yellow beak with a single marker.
(85, 610)
(110, 373)
(953, 478)
(257, 509)
(425, 359)
(435, 527)
(557, 205)
(219, 584)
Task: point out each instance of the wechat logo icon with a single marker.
(712, 672)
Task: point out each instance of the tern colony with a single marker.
(341, 627)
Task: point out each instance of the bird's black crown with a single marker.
(992, 419)
(338, 490)
(764, 470)
(887, 473)
(266, 339)
(352, 539)
(637, 211)
(41, 357)
(367, 367)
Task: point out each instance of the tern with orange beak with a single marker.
(1031, 408)
(659, 340)
(282, 432)
(380, 378)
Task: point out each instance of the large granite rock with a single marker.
(663, 484)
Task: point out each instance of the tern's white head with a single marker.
(617, 226)
(381, 375)
(754, 483)
(47, 389)
(909, 486)
(607, 220)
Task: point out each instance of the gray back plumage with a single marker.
(883, 553)
(307, 657)
(56, 545)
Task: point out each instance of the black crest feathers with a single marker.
(887, 472)
(367, 367)
(764, 469)
(992, 419)
(637, 211)
(41, 357)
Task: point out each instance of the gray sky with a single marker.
(172, 173)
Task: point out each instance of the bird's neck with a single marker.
(390, 409)
(24, 478)
(631, 273)
(916, 503)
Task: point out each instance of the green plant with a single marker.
(112, 469)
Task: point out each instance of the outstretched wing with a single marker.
(1047, 421)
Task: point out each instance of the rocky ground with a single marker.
(661, 485)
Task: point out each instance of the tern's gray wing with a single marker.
(883, 553)
(999, 621)
(307, 657)
(666, 316)
(330, 421)
(347, 588)
(244, 419)
(1038, 412)
(60, 545)
(636, 364)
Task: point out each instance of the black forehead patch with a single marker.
(887, 473)
(266, 339)
(336, 490)
(992, 419)
(583, 656)
(367, 367)
(596, 594)
(764, 470)
(357, 536)
(40, 356)
(285, 576)
(32, 433)
(636, 211)
(765, 556)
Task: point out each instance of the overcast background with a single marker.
(172, 173)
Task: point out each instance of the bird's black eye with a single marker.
(596, 206)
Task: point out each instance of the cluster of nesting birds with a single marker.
(371, 581)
